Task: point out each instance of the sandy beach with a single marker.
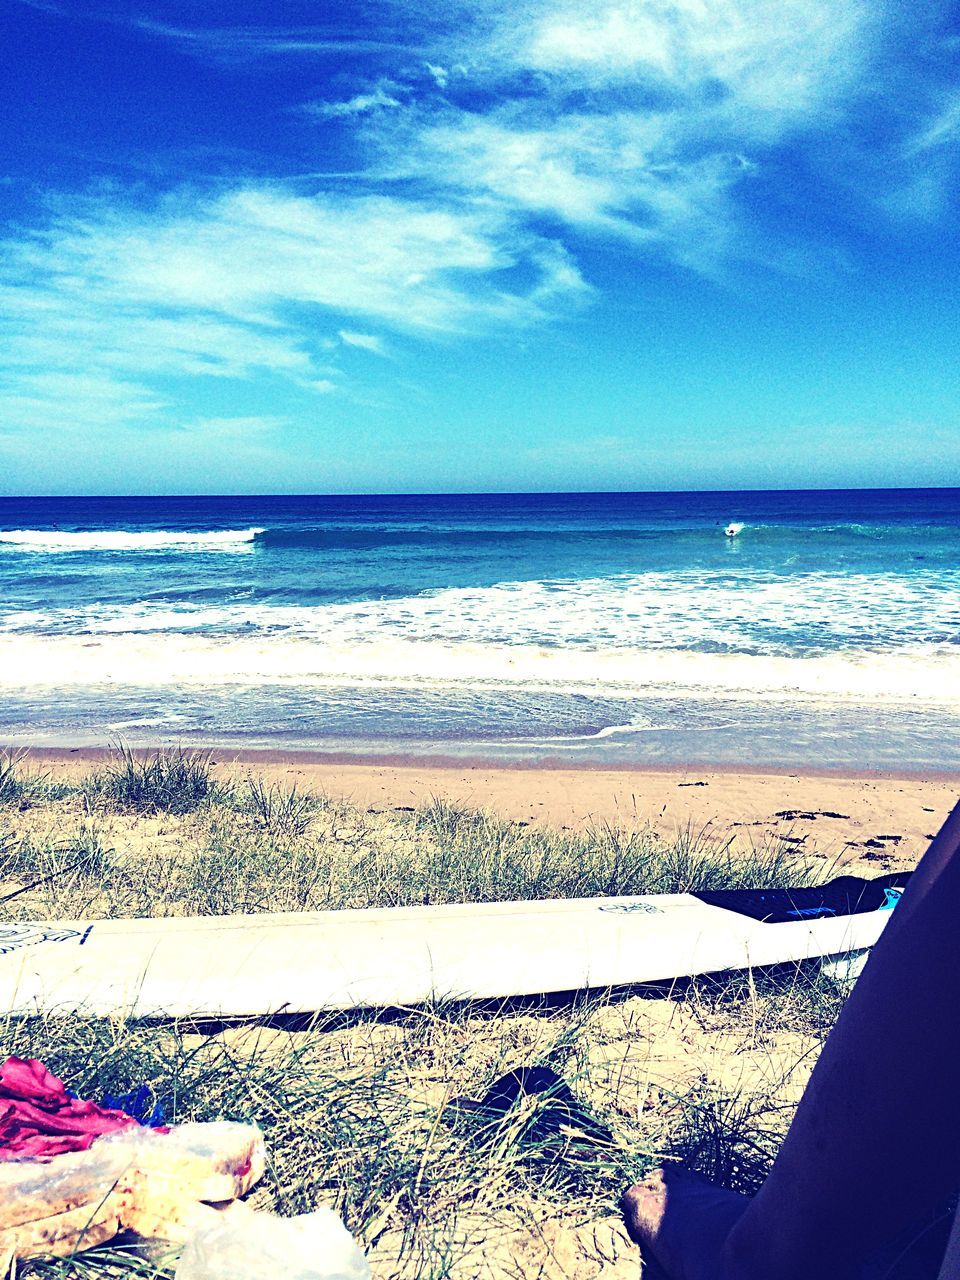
(875, 820)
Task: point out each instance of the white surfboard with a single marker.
(232, 966)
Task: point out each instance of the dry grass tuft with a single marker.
(168, 781)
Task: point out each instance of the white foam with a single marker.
(747, 612)
(919, 673)
(48, 540)
(834, 636)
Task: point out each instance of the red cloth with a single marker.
(39, 1119)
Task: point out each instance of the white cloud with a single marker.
(243, 43)
(546, 168)
(498, 135)
(781, 59)
(74, 399)
(366, 341)
(249, 282)
(941, 131)
(248, 255)
(128, 338)
(360, 104)
(638, 118)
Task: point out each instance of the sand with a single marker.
(875, 820)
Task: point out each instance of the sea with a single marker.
(782, 629)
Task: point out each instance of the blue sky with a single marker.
(535, 244)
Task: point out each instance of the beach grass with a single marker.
(156, 834)
(167, 781)
(356, 1109)
(22, 784)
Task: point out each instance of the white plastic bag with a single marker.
(261, 1246)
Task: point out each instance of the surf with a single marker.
(55, 540)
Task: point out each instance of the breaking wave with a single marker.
(921, 673)
(49, 540)
(753, 613)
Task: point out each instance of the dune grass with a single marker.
(230, 858)
(356, 1109)
(156, 834)
(22, 785)
(168, 781)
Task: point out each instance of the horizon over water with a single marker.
(620, 628)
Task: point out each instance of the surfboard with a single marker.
(243, 965)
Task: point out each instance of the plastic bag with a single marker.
(261, 1246)
(150, 1182)
(61, 1205)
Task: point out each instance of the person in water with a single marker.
(875, 1143)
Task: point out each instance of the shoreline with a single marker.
(868, 821)
(461, 729)
(230, 755)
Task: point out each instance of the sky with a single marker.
(423, 246)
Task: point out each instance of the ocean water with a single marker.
(612, 628)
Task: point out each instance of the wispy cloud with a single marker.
(940, 131)
(488, 146)
(360, 104)
(746, 53)
(250, 281)
(365, 341)
(645, 119)
(45, 6)
(248, 257)
(253, 42)
(641, 120)
(76, 398)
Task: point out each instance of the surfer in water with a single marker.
(874, 1147)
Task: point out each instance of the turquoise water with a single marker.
(607, 627)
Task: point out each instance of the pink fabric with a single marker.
(39, 1119)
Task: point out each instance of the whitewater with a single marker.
(623, 627)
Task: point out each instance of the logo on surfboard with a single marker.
(15, 936)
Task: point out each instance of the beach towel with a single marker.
(39, 1119)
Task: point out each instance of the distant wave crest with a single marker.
(353, 537)
(368, 538)
(48, 540)
(342, 538)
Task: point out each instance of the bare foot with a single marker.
(682, 1222)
